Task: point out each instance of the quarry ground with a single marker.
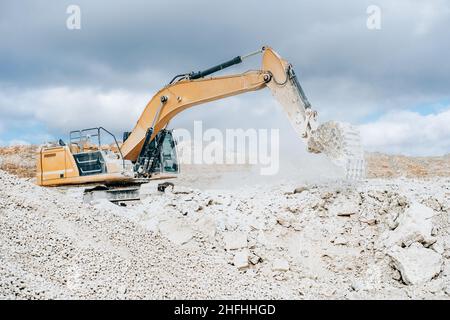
(224, 232)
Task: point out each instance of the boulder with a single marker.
(284, 220)
(416, 264)
(235, 240)
(176, 232)
(415, 225)
(240, 259)
(254, 259)
(447, 290)
(344, 209)
(300, 190)
(340, 240)
(207, 226)
(280, 265)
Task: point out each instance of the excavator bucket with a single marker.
(340, 142)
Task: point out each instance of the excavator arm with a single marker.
(175, 98)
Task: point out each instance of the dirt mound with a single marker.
(52, 246)
(19, 160)
(391, 166)
(377, 239)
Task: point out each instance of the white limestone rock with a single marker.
(240, 259)
(416, 264)
(415, 225)
(280, 265)
(176, 232)
(235, 240)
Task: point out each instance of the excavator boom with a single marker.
(177, 97)
(194, 89)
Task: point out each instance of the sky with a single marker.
(393, 82)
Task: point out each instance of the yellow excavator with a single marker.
(149, 150)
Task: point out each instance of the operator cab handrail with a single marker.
(83, 134)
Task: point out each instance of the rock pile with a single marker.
(52, 247)
(376, 239)
(382, 234)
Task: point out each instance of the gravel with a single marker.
(51, 246)
(331, 240)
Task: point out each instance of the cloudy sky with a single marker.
(393, 82)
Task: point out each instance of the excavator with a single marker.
(149, 150)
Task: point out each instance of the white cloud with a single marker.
(429, 15)
(18, 142)
(62, 109)
(14, 142)
(409, 133)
